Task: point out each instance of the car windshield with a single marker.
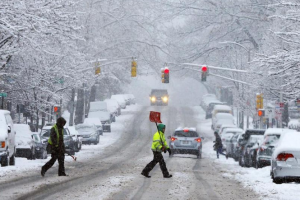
(186, 134)
(159, 92)
(255, 139)
(271, 139)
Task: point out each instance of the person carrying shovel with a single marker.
(56, 141)
(159, 145)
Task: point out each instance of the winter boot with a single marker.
(146, 175)
(168, 176)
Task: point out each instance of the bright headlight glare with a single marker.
(165, 99)
(153, 99)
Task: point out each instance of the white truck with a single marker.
(7, 139)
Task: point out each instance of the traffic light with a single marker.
(261, 112)
(133, 68)
(97, 68)
(162, 75)
(56, 109)
(259, 101)
(204, 73)
(166, 75)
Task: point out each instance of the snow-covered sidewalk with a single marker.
(259, 180)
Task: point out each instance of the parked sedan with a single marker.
(25, 145)
(285, 163)
(104, 117)
(228, 141)
(88, 132)
(265, 150)
(186, 141)
(40, 147)
(231, 145)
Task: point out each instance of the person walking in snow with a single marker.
(56, 141)
(159, 145)
(218, 145)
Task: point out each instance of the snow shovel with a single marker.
(74, 157)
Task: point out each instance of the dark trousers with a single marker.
(61, 163)
(157, 158)
(220, 151)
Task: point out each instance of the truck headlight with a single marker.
(153, 99)
(165, 99)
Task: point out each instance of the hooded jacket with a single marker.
(159, 139)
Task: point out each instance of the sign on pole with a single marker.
(3, 94)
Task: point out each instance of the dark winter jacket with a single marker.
(218, 142)
(60, 149)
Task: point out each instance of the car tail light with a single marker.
(185, 130)
(2, 144)
(173, 139)
(284, 156)
(198, 140)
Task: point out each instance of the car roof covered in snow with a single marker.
(92, 120)
(288, 143)
(276, 131)
(224, 115)
(222, 107)
(234, 130)
(185, 128)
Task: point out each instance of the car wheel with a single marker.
(12, 160)
(4, 161)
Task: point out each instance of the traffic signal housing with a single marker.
(133, 68)
(259, 101)
(204, 73)
(166, 75)
(162, 75)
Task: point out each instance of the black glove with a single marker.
(169, 150)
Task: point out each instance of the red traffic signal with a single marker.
(261, 113)
(56, 109)
(166, 71)
(204, 68)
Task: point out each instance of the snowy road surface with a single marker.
(114, 172)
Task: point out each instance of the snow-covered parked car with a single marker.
(89, 133)
(76, 139)
(113, 106)
(221, 118)
(127, 99)
(206, 99)
(285, 165)
(96, 122)
(227, 136)
(104, 117)
(266, 149)
(131, 98)
(7, 139)
(120, 99)
(25, 145)
(102, 106)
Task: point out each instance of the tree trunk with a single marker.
(79, 107)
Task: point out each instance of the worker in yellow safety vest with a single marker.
(56, 142)
(159, 145)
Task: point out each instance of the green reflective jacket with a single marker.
(159, 141)
(57, 133)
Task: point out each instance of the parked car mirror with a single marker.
(169, 137)
(8, 129)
